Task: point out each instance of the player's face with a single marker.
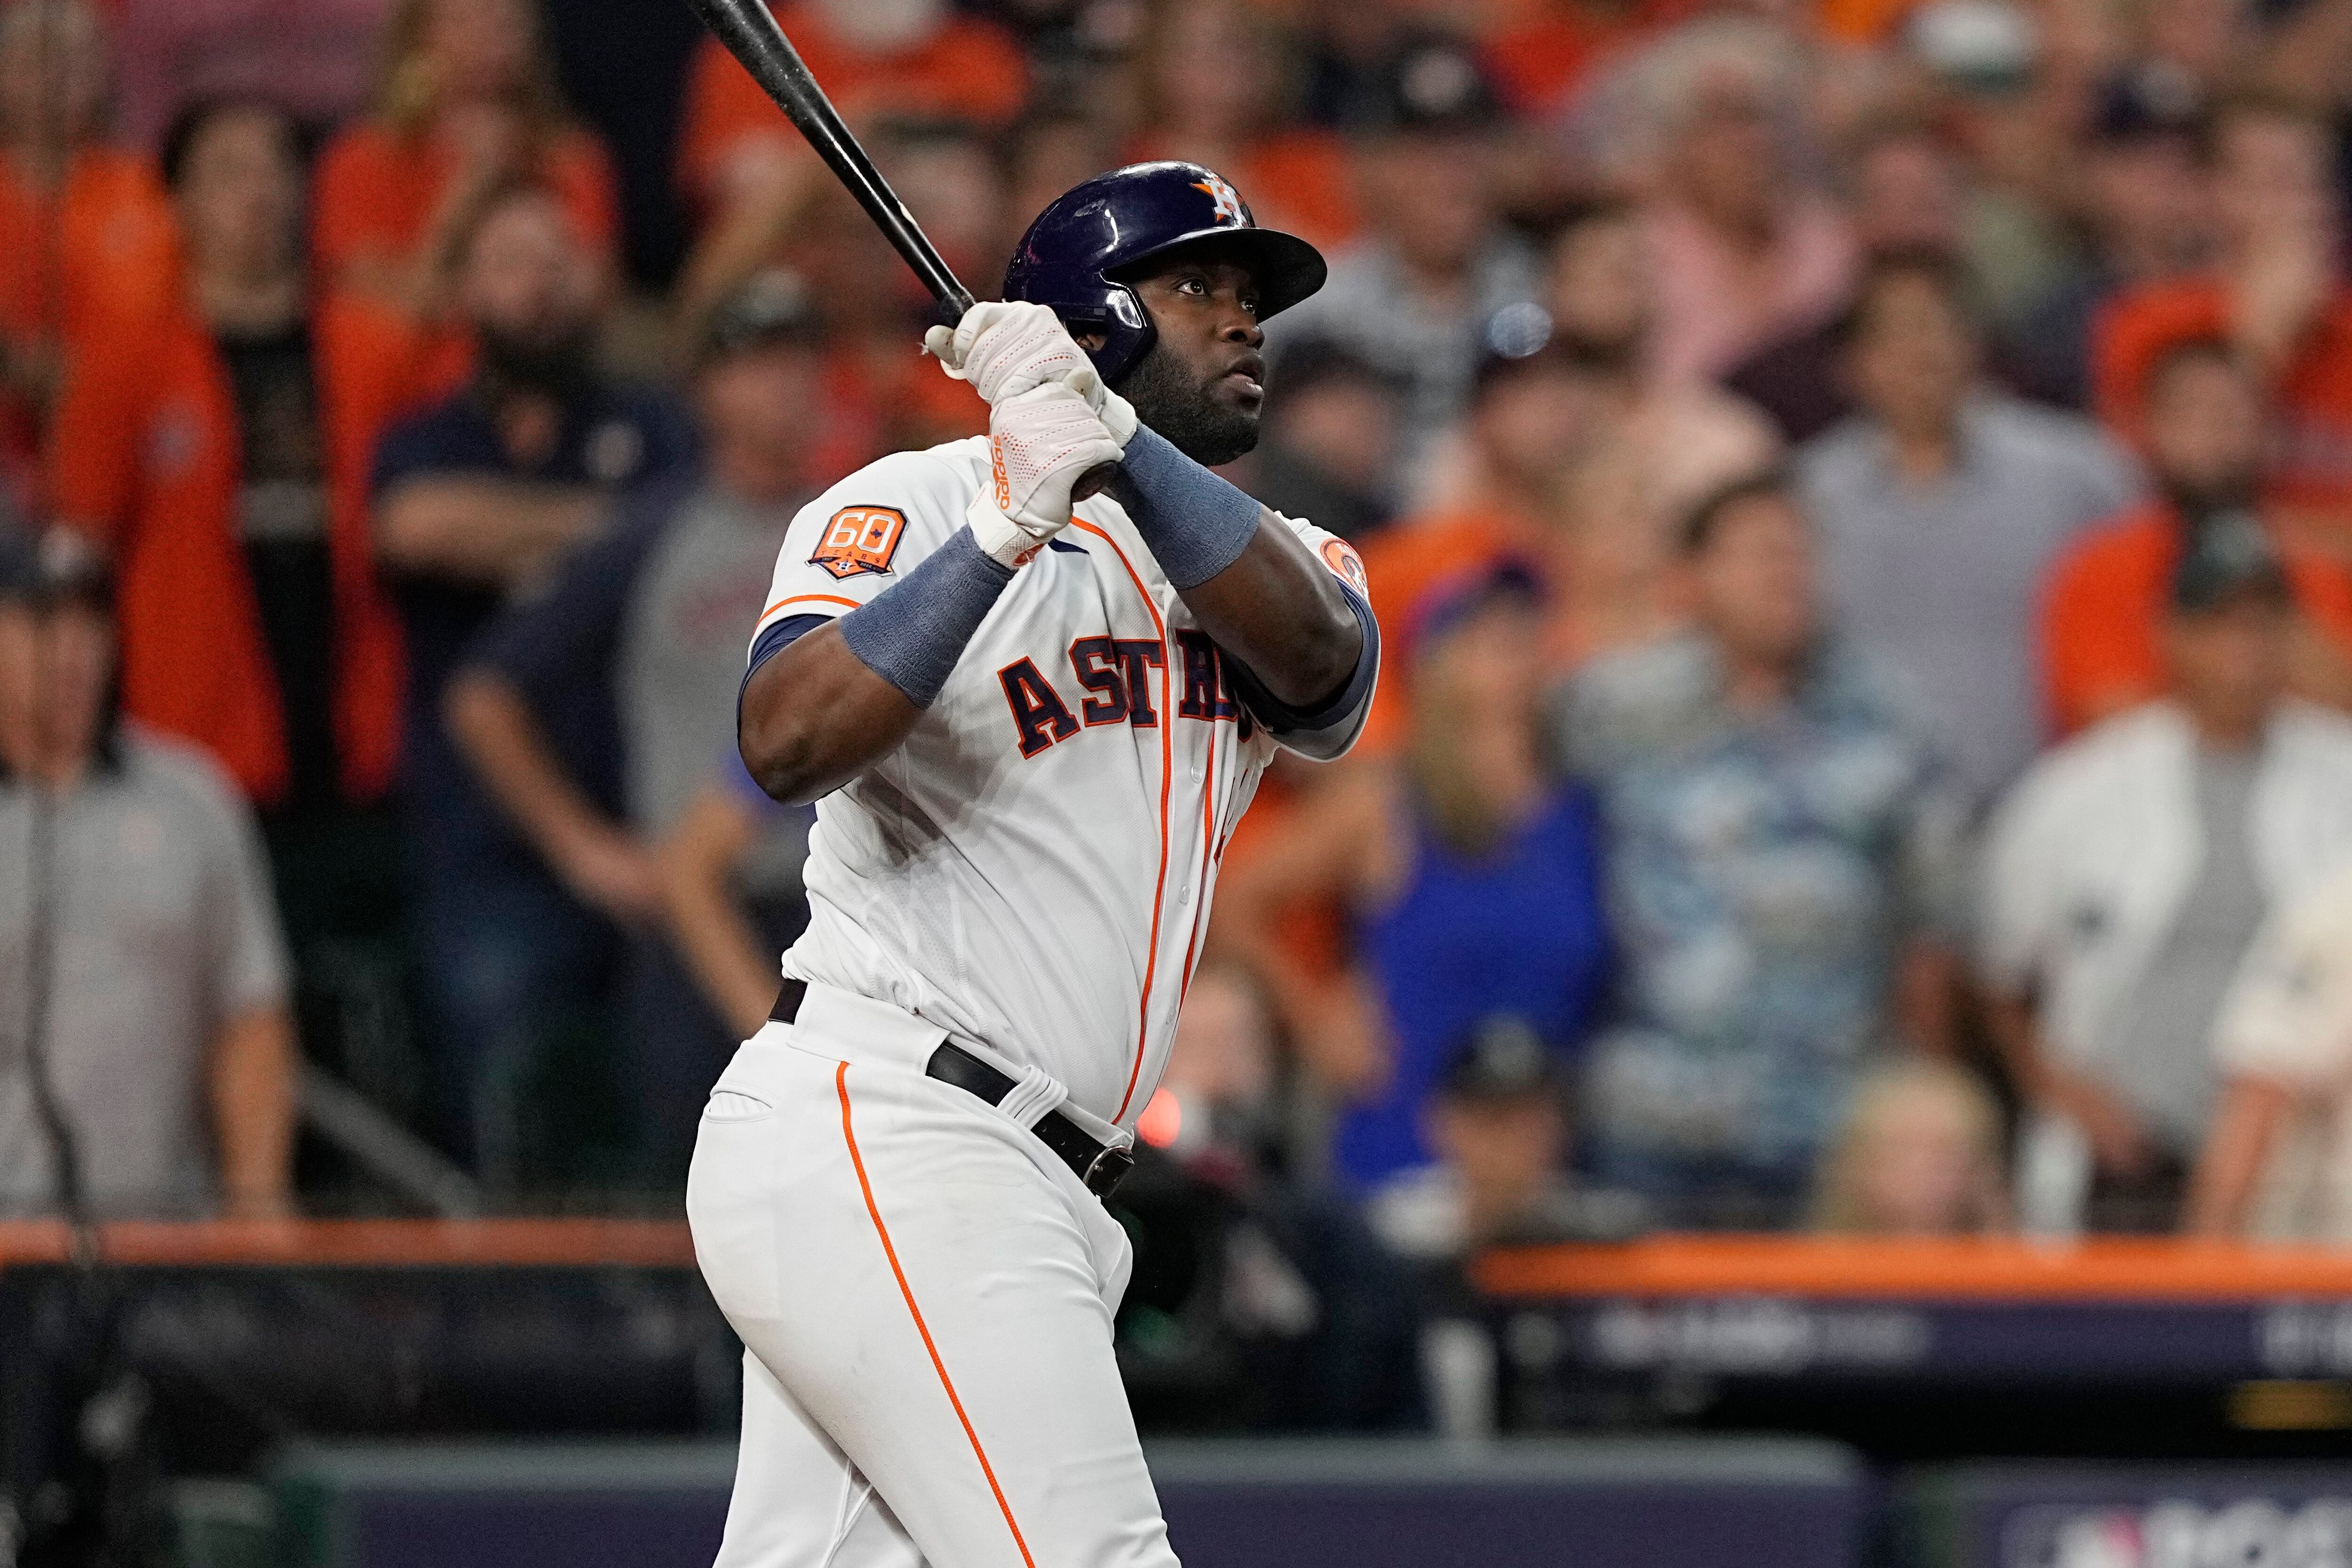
(1202, 383)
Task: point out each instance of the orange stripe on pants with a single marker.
(848, 1136)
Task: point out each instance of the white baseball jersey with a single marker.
(1031, 868)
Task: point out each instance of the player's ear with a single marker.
(1090, 341)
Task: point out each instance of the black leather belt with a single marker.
(1101, 1167)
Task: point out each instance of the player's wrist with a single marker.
(1118, 416)
(1194, 523)
(912, 632)
(1002, 538)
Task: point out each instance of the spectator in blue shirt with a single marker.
(474, 501)
(654, 616)
(1785, 858)
(1472, 876)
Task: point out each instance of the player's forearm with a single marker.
(830, 704)
(1280, 612)
(253, 1103)
(486, 530)
(814, 717)
(1254, 586)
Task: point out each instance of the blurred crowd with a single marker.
(1858, 494)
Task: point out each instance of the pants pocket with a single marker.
(729, 1208)
(733, 1105)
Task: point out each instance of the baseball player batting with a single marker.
(1030, 724)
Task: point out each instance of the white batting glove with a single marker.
(1040, 444)
(1005, 347)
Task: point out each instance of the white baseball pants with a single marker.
(925, 1295)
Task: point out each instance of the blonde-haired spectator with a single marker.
(85, 233)
(2278, 1162)
(1920, 1155)
(466, 102)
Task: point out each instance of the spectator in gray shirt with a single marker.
(1941, 505)
(656, 613)
(160, 1066)
(1411, 297)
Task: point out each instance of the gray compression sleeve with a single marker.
(912, 632)
(1196, 523)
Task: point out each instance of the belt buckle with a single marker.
(1106, 1170)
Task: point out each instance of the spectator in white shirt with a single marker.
(2128, 871)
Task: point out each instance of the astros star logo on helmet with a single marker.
(1229, 200)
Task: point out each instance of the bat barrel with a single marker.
(751, 35)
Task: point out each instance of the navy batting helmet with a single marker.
(1079, 255)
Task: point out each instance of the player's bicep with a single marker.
(852, 544)
(1328, 729)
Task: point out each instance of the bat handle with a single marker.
(1094, 481)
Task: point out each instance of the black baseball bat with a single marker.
(751, 35)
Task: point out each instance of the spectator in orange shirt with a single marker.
(2277, 296)
(466, 101)
(1543, 60)
(884, 394)
(203, 445)
(85, 230)
(1538, 407)
(1209, 80)
(2203, 430)
(916, 59)
(218, 451)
